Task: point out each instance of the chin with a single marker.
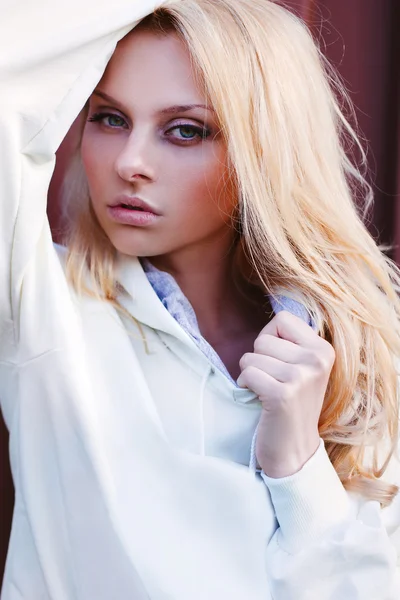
(134, 243)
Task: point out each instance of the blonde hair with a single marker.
(281, 109)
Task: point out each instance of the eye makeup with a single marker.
(114, 121)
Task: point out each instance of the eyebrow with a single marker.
(165, 111)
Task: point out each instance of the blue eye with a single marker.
(185, 131)
(109, 119)
(190, 132)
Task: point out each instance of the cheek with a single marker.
(208, 185)
(97, 160)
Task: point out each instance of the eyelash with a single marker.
(201, 132)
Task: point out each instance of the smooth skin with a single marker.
(162, 158)
(176, 160)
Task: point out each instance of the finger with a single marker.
(291, 328)
(278, 348)
(262, 384)
(277, 369)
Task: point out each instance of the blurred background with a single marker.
(360, 38)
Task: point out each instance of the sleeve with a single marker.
(52, 54)
(331, 543)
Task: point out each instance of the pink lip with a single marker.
(123, 201)
(120, 212)
(127, 216)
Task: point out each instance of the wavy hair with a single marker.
(285, 116)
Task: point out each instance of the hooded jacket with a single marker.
(131, 453)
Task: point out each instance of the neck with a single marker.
(205, 277)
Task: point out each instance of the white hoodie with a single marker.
(131, 466)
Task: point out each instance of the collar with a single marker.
(148, 301)
(142, 301)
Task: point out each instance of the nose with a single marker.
(136, 158)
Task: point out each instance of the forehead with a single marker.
(151, 69)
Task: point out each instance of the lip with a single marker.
(119, 211)
(134, 218)
(134, 201)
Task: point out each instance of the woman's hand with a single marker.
(289, 371)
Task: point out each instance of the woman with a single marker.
(148, 368)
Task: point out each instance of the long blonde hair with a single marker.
(302, 205)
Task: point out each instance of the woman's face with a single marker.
(143, 141)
